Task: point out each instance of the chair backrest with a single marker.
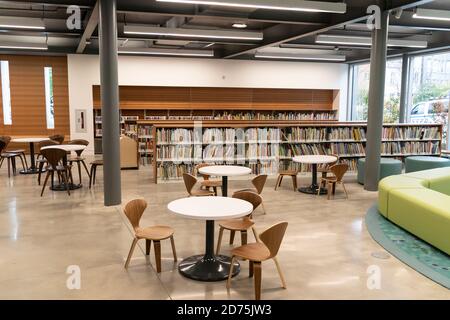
(5, 139)
(58, 138)
(253, 198)
(2, 146)
(79, 141)
(134, 211)
(339, 170)
(53, 156)
(259, 182)
(202, 165)
(335, 162)
(189, 181)
(273, 237)
(47, 143)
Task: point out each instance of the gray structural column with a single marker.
(376, 103)
(110, 102)
(404, 89)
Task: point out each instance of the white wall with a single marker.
(84, 72)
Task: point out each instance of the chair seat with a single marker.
(74, 159)
(252, 251)
(288, 173)
(323, 169)
(201, 193)
(59, 168)
(97, 162)
(236, 224)
(211, 183)
(9, 155)
(248, 190)
(330, 179)
(41, 160)
(15, 151)
(154, 233)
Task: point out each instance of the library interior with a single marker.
(260, 149)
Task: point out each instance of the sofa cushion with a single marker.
(423, 212)
(436, 179)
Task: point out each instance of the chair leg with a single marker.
(95, 175)
(294, 182)
(277, 183)
(1, 161)
(90, 176)
(25, 159)
(41, 167)
(23, 163)
(232, 234)
(345, 190)
(9, 168)
(230, 275)
(330, 190)
(130, 253)
(13, 164)
(79, 170)
(85, 167)
(174, 251)
(258, 275)
(66, 182)
(148, 244)
(45, 182)
(219, 241)
(277, 264)
(243, 237)
(250, 269)
(157, 247)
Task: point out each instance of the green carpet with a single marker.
(416, 253)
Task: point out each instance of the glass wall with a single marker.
(360, 78)
(6, 93)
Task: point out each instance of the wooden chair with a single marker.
(207, 183)
(287, 173)
(258, 182)
(93, 173)
(78, 159)
(239, 225)
(57, 137)
(40, 160)
(190, 181)
(267, 247)
(10, 158)
(338, 171)
(21, 152)
(325, 169)
(54, 158)
(134, 211)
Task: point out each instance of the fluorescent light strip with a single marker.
(318, 57)
(431, 14)
(193, 33)
(21, 23)
(287, 5)
(364, 41)
(167, 52)
(23, 46)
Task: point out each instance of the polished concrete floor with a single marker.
(327, 252)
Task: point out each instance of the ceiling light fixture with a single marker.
(289, 56)
(193, 33)
(432, 14)
(23, 45)
(167, 52)
(21, 23)
(287, 5)
(367, 41)
(239, 25)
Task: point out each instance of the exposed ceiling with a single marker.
(283, 31)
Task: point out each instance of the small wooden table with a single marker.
(225, 172)
(31, 140)
(208, 266)
(314, 160)
(67, 148)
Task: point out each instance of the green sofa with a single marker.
(419, 202)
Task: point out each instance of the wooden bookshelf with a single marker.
(346, 139)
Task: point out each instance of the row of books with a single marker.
(404, 133)
(307, 134)
(356, 134)
(406, 148)
(145, 131)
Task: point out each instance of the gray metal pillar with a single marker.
(110, 102)
(404, 89)
(376, 103)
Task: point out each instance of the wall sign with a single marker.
(80, 118)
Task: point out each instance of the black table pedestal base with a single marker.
(202, 268)
(62, 187)
(312, 190)
(30, 171)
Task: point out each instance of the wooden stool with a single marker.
(93, 173)
(290, 173)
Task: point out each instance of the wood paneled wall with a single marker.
(28, 96)
(148, 97)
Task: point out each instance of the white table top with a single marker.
(210, 208)
(66, 147)
(314, 159)
(225, 171)
(29, 140)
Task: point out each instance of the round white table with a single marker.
(225, 172)
(208, 266)
(314, 160)
(67, 148)
(31, 140)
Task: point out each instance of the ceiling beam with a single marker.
(91, 25)
(83, 4)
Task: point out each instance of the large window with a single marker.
(6, 93)
(49, 102)
(360, 77)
